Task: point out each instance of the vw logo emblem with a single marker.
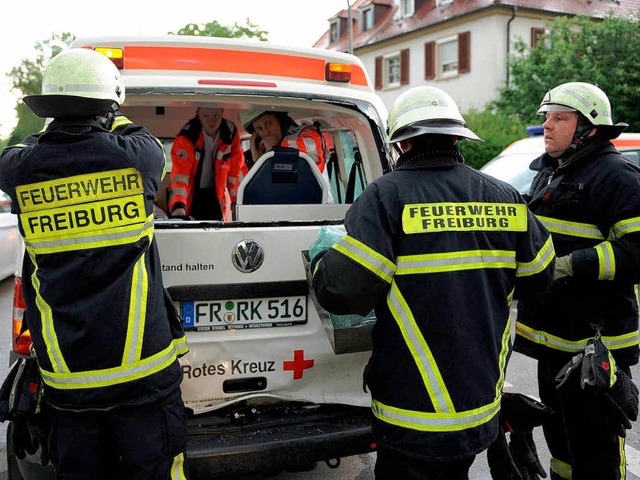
(247, 256)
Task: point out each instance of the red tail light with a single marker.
(21, 342)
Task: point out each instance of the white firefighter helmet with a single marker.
(425, 109)
(78, 82)
(588, 100)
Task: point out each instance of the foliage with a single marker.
(496, 129)
(604, 53)
(214, 29)
(27, 78)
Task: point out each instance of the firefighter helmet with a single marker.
(586, 99)
(424, 109)
(78, 83)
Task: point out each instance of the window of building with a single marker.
(367, 18)
(440, 3)
(407, 8)
(334, 30)
(392, 70)
(448, 56)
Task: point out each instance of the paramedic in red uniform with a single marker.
(106, 338)
(207, 162)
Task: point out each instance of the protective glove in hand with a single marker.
(500, 460)
(620, 403)
(564, 267)
(518, 459)
(21, 441)
(525, 455)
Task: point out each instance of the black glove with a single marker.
(620, 402)
(517, 460)
(21, 442)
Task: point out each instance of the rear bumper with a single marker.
(271, 442)
(259, 439)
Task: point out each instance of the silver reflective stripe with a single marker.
(574, 229)
(120, 236)
(421, 352)
(111, 376)
(452, 261)
(177, 468)
(435, 422)
(538, 264)
(137, 316)
(366, 257)
(560, 468)
(181, 178)
(626, 226)
(606, 261)
(77, 87)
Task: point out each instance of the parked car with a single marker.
(8, 237)
(512, 164)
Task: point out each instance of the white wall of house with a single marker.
(488, 54)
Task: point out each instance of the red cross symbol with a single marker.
(298, 364)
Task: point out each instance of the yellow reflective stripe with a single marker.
(574, 229)
(623, 227)
(606, 261)
(552, 341)
(461, 216)
(622, 467)
(560, 468)
(420, 351)
(137, 312)
(365, 256)
(111, 376)
(111, 237)
(538, 264)
(48, 331)
(435, 422)
(454, 261)
(119, 121)
(177, 468)
(505, 348)
(181, 345)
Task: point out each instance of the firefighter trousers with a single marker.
(139, 442)
(392, 465)
(582, 444)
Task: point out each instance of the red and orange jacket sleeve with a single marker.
(184, 165)
(236, 166)
(308, 141)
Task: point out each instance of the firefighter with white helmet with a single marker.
(104, 333)
(437, 249)
(586, 193)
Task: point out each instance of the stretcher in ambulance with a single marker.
(269, 384)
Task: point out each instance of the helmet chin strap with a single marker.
(581, 135)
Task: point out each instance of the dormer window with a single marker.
(367, 18)
(407, 8)
(334, 31)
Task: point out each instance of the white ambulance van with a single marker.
(271, 382)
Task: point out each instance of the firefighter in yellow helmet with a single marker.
(586, 193)
(105, 336)
(437, 249)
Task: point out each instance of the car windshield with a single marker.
(513, 169)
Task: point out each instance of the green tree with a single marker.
(27, 78)
(604, 53)
(214, 29)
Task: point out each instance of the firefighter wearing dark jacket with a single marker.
(588, 196)
(105, 336)
(207, 165)
(439, 250)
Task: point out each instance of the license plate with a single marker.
(244, 313)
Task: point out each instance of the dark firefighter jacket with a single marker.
(92, 281)
(591, 205)
(438, 249)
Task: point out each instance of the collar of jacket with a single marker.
(588, 153)
(419, 160)
(72, 126)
